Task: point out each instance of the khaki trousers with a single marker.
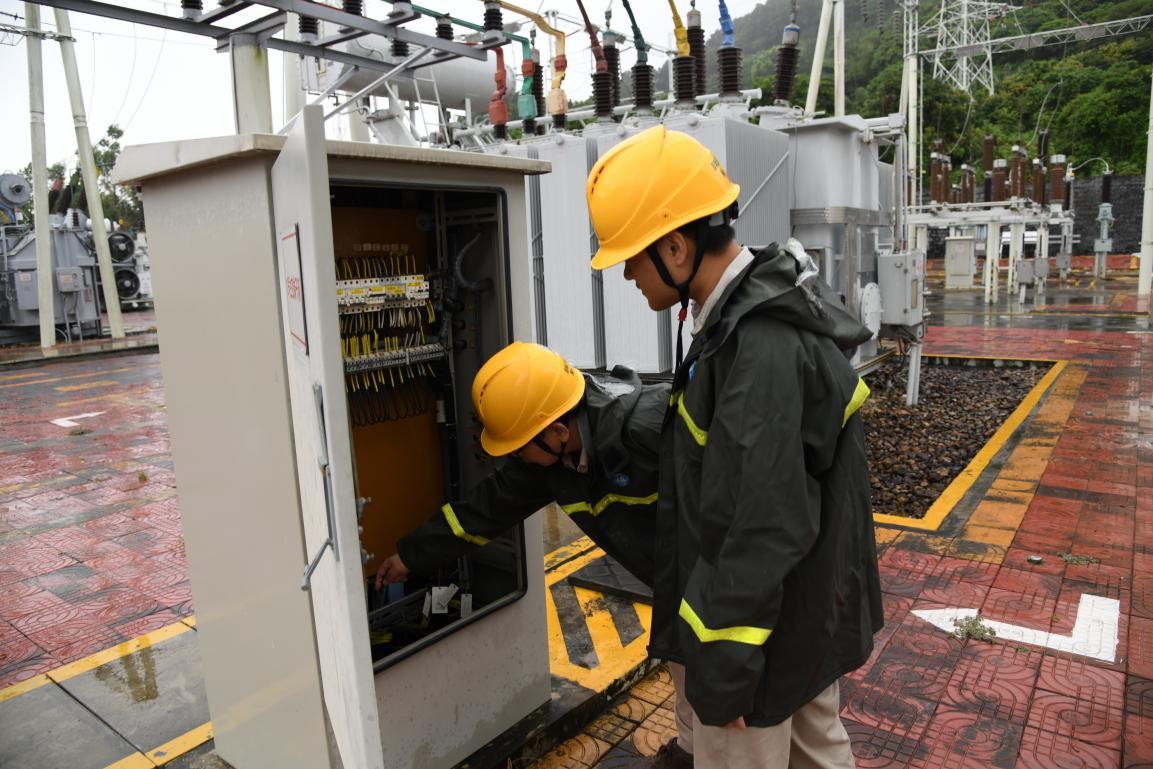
(812, 738)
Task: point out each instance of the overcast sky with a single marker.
(160, 86)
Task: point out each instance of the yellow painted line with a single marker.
(956, 490)
(190, 620)
(566, 552)
(26, 383)
(116, 652)
(86, 386)
(614, 660)
(22, 375)
(952, 356)
(104, 397)
(135, 761)
(15, 690)
(178, 747)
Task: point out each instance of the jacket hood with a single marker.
(610, 402)
(769, 286)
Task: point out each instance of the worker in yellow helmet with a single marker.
(586, 442)
(766, 588)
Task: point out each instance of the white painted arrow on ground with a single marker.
(68, 421)
(1094, 633)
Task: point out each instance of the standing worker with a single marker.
(767, 588)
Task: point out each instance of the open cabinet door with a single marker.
(300, 189)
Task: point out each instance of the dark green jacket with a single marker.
(767, 587)
(614, 503)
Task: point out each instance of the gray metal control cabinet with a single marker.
(288, 455)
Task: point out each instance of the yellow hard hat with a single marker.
(520, 391)
(649, 185)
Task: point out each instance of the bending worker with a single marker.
(767, 587)
(586, 442)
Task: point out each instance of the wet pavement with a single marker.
(98, 662)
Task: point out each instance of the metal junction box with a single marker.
(326, 307)
(901, 277)
(960, 258)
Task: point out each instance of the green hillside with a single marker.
(1093, 97)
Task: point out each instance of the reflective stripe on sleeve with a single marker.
(754, 636)
(458, 530)
(860, 395)
(699, 435)
(606, 500)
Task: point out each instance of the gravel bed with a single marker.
(914, 453)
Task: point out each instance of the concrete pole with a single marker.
(88, 173)
(1145, 272)
(839, 58)
(992, 260)
(251, 97)
(818, 57)
(912, 123)
(44, 268)
(1016, 248)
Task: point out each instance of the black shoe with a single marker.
(670, 756)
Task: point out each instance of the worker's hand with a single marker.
(391, 571)
(738, 724)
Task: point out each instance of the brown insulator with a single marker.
(603, 94)
(1057, 179)
(955, 194)
(500, 131)
(1038, 181)
(934, 177)
(700, 64)
(988, 188)
(492, 17)
(1043, 144)
(355, 7)
(990, 151)
(1000, 174)
(787, 58)
(729, 64)
(613, 59)
(683, 76)
(643, 87)
(1017, 173)
(308, 25)
(528, 125)
(399, 49)
(444, 28)
(1107, 187)
(559, 121)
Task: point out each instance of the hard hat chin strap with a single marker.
(682, 289)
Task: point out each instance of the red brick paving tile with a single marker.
(27, 669)
(878, 749)
(1121, 557)
(942, 589)
(139, 627)
(21, 598)
(1138, 744)
(116, 557)
(8, 633)
(1045, 750)
(901, 582)
(74, 582)
(1034, 611)
(1042, 544)
(1077, 719)
(18, 650)
(1027, 581)
(1143, 563)
(1142, 596)
(98, 641)
(1018, 555)
(118, 605)
(994, 680)
(25, 559)
(113, 525)
(75, 541)
(905, 718)
(72, 631)
(1141, 647)
(184, 608)
(45, 618)
(1074, 677)
(960, 739)
(174, 596)
(1139, 696)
